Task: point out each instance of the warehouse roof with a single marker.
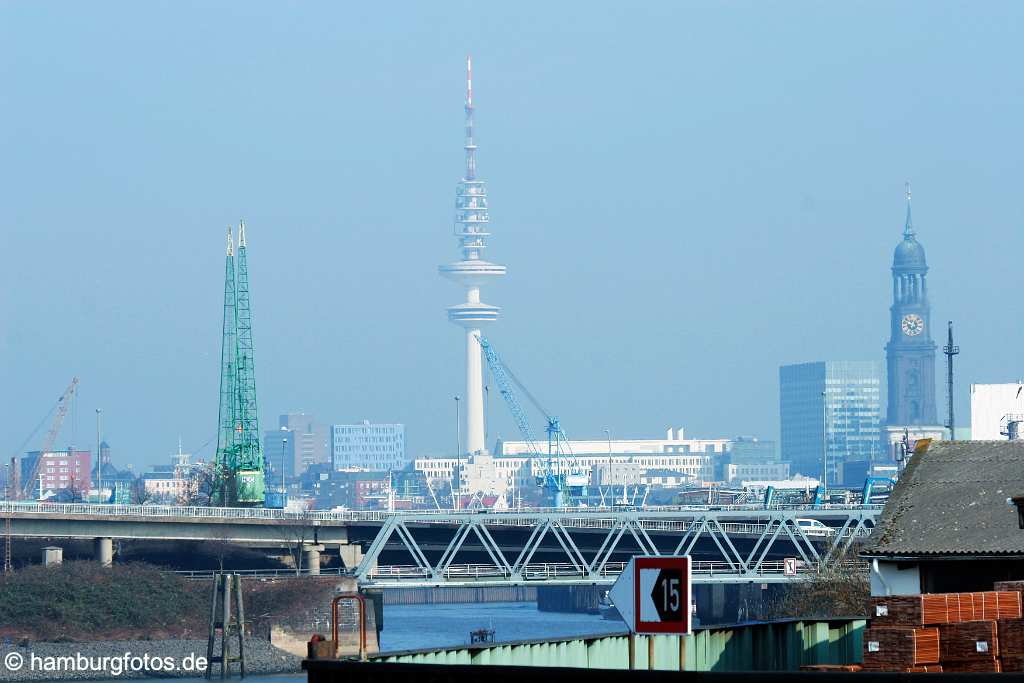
(952, 500)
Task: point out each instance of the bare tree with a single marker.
(199, 487)
(841, 588)
(296, 533)
(140, 495)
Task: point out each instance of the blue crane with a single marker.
(553, 479)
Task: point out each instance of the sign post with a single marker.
(789, 566)
(653, 596)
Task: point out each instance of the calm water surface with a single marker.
(411, 627)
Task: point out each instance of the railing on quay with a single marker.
(539, 572)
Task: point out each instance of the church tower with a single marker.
(910, 353)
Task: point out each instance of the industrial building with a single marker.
(993, 407)
(948, 526)
(671, 462)
(833, 403)
(368, 446)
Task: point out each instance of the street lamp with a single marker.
(99, 458)
(824, 444)
(608, 435)
(458, 456)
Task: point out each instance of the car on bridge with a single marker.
(814, 527)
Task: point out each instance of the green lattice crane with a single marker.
(238, 466)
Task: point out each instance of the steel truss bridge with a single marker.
(728, 544)
(732, 545)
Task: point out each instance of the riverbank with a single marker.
(131, 659)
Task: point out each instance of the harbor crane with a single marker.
(23, 484)
(558, 478)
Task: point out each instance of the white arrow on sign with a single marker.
(622, 595)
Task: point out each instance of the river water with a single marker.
(412, 627)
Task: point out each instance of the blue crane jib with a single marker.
(557, 479)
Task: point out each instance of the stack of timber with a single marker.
(900, 649)
(962, 632)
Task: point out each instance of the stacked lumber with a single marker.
(1011, 644)
(831, 667)
(968, 640)
(1017, 586)
(987, 665)
(897, 649)
(932, 609)
(1011, 664)
(962, 632)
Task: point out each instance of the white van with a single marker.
(814, 527)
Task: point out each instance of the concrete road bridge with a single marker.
(729, 544)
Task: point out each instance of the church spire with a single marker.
(908, 228)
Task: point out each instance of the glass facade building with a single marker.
(368, 446)
(833, 404)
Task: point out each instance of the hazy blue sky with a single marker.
(687, 195)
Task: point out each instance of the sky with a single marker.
(687, 195)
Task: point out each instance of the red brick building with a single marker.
(58, 470)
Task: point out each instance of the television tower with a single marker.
(471, 272)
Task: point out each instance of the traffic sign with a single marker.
(789, 566)
(653, 594)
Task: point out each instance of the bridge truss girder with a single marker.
(553, 532)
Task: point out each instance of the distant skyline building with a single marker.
(833, 403)
(991, 404)
(910, 353)
(472, 271)
(69, 469)
(368, 446)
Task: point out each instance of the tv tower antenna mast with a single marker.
(950, 350)
(471, 219)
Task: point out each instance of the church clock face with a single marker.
(912, 325)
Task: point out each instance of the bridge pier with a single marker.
(351, 555)
(311, 558)
(103, 551)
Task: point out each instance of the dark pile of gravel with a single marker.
(78, 661)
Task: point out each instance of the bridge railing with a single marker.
(596, 518)
(552, 571)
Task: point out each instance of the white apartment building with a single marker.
(990, 404)
(368, 446)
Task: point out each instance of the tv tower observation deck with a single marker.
(471, 272)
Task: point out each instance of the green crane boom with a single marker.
(249, 472)
(238, 476)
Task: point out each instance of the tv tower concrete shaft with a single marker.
(472, 271)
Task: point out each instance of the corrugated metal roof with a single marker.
(951, 500)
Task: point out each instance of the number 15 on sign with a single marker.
(653, 594)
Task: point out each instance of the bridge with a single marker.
(568, 546)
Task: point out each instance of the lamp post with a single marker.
(608, 435)
(824, 444)
(99, 458)
(284, 451)
(458, 455)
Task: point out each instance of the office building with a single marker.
(58, 470)
(834, 404)
(368, 446)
